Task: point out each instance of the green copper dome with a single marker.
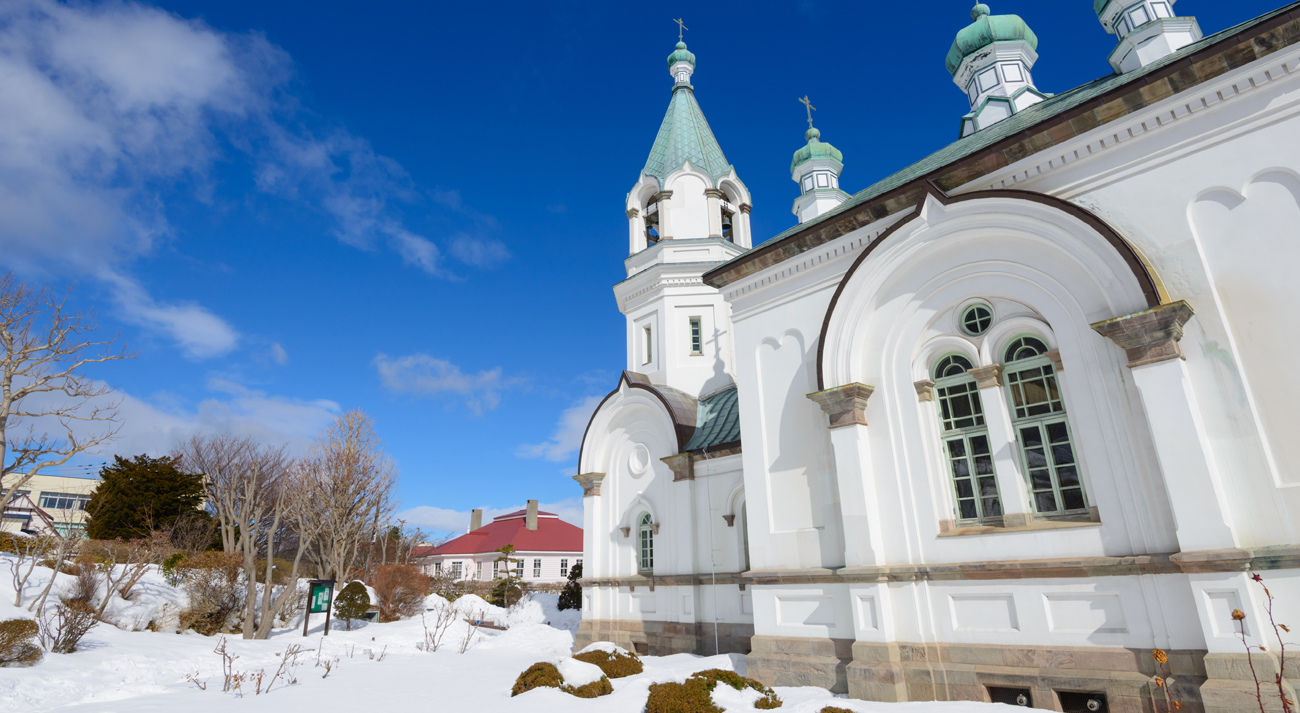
(681, 54)
(984, 31)
(1099, 5)
(814, 149)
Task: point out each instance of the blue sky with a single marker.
(416, 209)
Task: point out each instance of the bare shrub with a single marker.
(62, 626)
(400, 590)
(192, 533)
(444, 617)
(16, 647)
(215, 584)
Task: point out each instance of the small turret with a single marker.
(816, 168)
(991, 61)
(1147, 31)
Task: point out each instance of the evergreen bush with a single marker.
(546, 675)
(170, 572)
(571, 595)
(352, 603)
(538, 675)
(833, 709)
(17, 647)
(696, 694)
(613, 664)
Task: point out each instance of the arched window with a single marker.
(652, 222)
(1042, 429)
(966, 441)
(646, 539)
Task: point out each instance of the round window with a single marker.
(976, 320)
(639, 460)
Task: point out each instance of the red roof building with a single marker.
(546, 548)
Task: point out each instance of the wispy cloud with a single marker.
(199, 332)
(479, 252)
(456, 522)
(425, 375)
(567, 438)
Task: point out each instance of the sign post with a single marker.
(320, 598)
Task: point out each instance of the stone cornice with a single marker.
(987, 376)
(844, 405)
(1111, 108)
(590, 483)
(1257, 559)
(1150, 336)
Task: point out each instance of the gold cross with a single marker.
(680, 27)
(809, 107)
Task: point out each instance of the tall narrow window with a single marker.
(564, 568)
(646, 538)
(496, 569)
(652, 223)
(649, 345)
(537, 568)
(1042, 430)
(437, 568)
(966, 441)
(697, 337)
(455, 570)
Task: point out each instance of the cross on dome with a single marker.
(808, 105)
(680, 28)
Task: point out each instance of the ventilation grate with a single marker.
(1011, 696)
(1073, 702)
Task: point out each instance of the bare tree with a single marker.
(352, 485)
(244, 486)
(296, 507)
(44, 348)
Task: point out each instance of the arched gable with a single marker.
(678, 409)
(1066, 238)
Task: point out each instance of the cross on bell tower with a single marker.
(808, 105)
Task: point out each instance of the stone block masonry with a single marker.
(664, 638)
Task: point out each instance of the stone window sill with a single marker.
(947, 528)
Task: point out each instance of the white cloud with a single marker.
(424, 375)
(279, 355)
(567, 438)
(107, 108)
(456, 522)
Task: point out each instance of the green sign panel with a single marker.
(320, 598)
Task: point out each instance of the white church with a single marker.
(993, 428)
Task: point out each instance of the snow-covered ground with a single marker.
(374, 666)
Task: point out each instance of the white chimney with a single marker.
(475, 519)
(531, 522)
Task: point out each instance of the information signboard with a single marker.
(320, 598)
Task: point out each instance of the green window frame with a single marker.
(646, 540)
(649, 344)
(697, 337)
(966, 446)
(1047, 452)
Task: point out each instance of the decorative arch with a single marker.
(735, 499)
(935, 348)
(1055, 228)
(1001, 334)
(639, 506)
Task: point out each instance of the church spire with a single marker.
(816, 168)
(687, 188)
(1147, 31)
(990, 60)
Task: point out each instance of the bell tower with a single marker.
(687, 213)
(991, 60)
(1147, 31)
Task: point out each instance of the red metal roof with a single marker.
(552, 535)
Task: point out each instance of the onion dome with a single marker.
(814, 149)
(985, 30)
(681, 54)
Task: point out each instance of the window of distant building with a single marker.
(537, 568)
(564, 567)
(455, 570)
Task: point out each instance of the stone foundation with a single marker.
(661, 638)
(796, 661)
(1232, 687)
(965, 672)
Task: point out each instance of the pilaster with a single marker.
(713, 196)
(845, 409)
(1150, 341)
(665, 215)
